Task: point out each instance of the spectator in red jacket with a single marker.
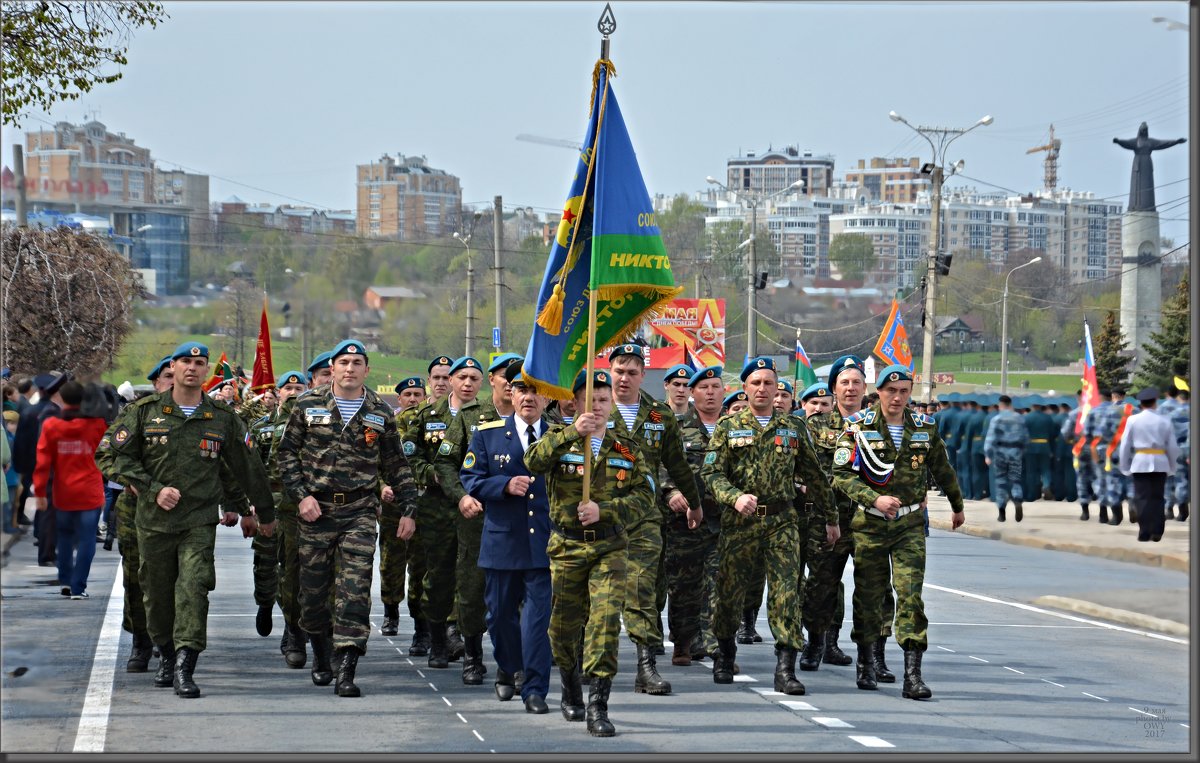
(66, 462)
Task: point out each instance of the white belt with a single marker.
(899, 512)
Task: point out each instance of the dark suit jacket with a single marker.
(515, 530)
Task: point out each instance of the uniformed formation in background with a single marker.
(702, 505)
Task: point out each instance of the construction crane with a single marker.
(571, 144)
(1052, 148)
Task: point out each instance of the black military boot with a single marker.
(1000, 518)
(473, 669)
(322, 667)
(391, 619)
(1116, 515)
(1103, 514)
(1017, 507)
(420, 642)
(1133, 513)
(597, 708)
(1084, 515)
(185, 665)
(648, 680)
(914, 687)
(294, 653)
(1048, 494)
(723, 661)
(139, 656)
(347, 662)
(166, 666)
(746, 633)
(263, 622)
(283, 639)
(833, 653)
(1169, 511)
(572, 694)
(455, 646)
(813, 652)
(438, 655)
(865, 667)
(785, 671)
(1184, 512)
(882, 674)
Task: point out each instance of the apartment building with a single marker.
(406, 199)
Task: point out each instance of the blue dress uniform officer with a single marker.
(1004, 451)
(512, 553)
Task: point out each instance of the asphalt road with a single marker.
(1007, 677)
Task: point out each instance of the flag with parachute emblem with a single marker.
(607, 247)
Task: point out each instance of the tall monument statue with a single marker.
(1141, 265)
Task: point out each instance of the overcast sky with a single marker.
(289, 97)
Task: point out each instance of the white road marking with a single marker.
(401, 651)
(1185, 725)
(744, 679)
(93, 720)
(871, 741)
(476, 733)
(832, 723)
(793, 704)
(1143, 712)
(944, 649)
(1051, 682)
(410, 662)
(431, 686)
(767, 692)
(1019, 625)
(447, 702)
(976, 658)
(1093, 696)
(422, 675)
(461, 718)
(1014, 670)
(1060, 615)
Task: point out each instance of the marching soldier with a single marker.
(735, 401)
(675, 384)
(881, 463)
(1181, 423)
(177, 449)
(754, 461)
(320, 372)
(1004, 452)
(396, 542)
(588, 542)
(339, 440)
(1039, 454)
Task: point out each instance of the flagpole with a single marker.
(606, 26)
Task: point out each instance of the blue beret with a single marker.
(190, 350)
(291, 377)
(634, 350)
(348, 347)
(319, 362)
(841, 364)
(465, 361)
(158, 369)
(599, 379)
(785, 385)
(678, 371)
(412, 382)
(733, 397)
(440, 360)
(758, 364)
(501, 363)
(892, 373)
(712, 372)
(815, 390)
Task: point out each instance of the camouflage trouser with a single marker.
(687, 557)
(396, 558)
(439, 537)
(1182, 489)
(134, 615)
(469, 577)
(775, 539)
(337, 556)
(1006, 470)
(288, 533)
(757, 588)
(266, 568)
(589, 587)
(1085, 479)
(177, 572)
(1116, 485)
(902, 541)
(824, 595)
(645, 551)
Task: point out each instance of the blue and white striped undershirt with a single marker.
(897, 431)
(596, 443)
(453, 411)
(629, 412)
(710, 428)
(347, 408)
(188, 410)
(762, 420)
(568, 420)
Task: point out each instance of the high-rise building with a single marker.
(406, 199)
(773, 170)
(889, 180)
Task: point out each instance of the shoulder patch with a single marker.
(121, 436)
(492, 424)
(469, 461)
(841, 456)
(444, 450)
(409, 447)
(710, 458)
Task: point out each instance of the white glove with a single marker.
(126, 391)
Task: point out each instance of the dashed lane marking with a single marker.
(1061, 686)
(871, 741)
(461, 718)
(1143, 712)
(447, 702)
(944, 649)
(476, 733)
(832, 723)
(431, 686)
(976, 658)
(765, 692)
(793, 704)
(744, 679)
(1093, 696)
(422, 675)
(1014, 670)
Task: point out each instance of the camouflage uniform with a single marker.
(766, 461)
(266, 550)
(397, 556)
(1181, 489)
(824, 596)
(156, 446)
(1085, 490)
(468, 576)
(287, 535)
(656, 431)
(588, 564)
(902, 540)
(134, 613)
(1115, 484)
(690, 556)
(340, 465)
(1004, 445)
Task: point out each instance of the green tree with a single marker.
(853, 254)
(351, 268)
(1112, 367)
(57, 51)
(1169, 350)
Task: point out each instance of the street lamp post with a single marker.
(944, 137)
(465, 238)
(1004, 328)
(753, 200)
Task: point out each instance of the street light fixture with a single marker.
(752, 200)
(1004, 327)
(939, 140)
(465, 238)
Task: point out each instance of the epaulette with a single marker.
(856, 418)
(490, 425)
(220, 406)
(145, 401)
(869, 416)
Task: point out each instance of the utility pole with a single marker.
(19, 182)
(465, 238)
(751, 292)
(498, 242)
(1004, 328)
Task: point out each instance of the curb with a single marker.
(1123, 616)
(1176, 562)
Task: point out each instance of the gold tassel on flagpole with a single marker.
(550, 319)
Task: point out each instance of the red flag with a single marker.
(264, 370)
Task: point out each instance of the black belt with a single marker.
(769, 509)
(348, 496)
(589, 534)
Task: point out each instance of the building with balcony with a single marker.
(406, 199)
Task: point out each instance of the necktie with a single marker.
(530, 435)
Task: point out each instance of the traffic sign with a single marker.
(495, 336)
